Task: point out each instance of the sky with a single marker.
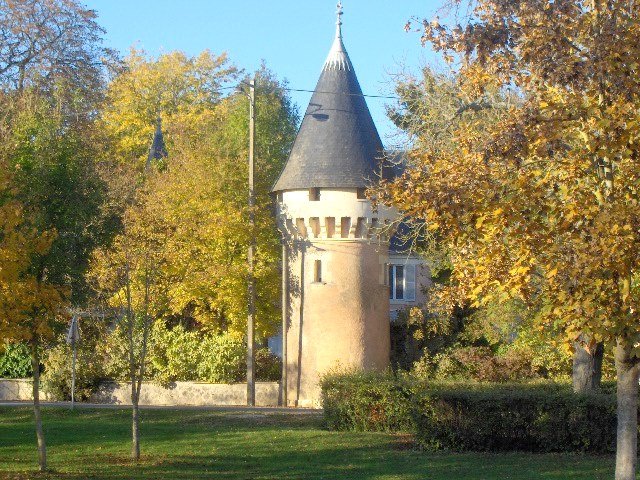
(293, 37)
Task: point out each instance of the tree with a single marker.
(202, 191)
(431, 110)
(55, 195)
(544, 204)
(174, 86)
(29, 306)
(45, 41)
(129, 274)
(182, 251)
(204, 197)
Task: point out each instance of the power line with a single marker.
(341, 93)
(288, 89)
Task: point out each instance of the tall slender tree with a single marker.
(181, 252)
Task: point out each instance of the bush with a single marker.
(506, 418)
(15, 361)
(537, 417)
(481, 364)
(174, 354)
(56, 378)
(177, 354)
(366, 402)
(223, 359)
(268, 366)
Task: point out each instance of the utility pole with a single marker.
(285, 311)
(251, 379)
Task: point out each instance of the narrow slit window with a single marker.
(317, 271)
(314, 194)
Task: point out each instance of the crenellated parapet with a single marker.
(333, 214)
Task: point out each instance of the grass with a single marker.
(198, 444)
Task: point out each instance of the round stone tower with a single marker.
(338, 303)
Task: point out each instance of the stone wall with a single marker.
(178, 393)
(18, 390)
(189, 393)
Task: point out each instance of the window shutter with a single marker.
(410, 283)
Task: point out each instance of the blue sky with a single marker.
(292, 37)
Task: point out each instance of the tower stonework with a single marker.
(337, 255)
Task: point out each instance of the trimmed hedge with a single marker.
(366, 402)
(525, 418)
(540, 417)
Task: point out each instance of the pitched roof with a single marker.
(158, 149)
(337, 144)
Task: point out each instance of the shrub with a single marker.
(15, 361)
(537, 417)
(178, 354)
(481, 364)
(268, 366)
(174, 354)
(366, 402)
(181, 355)
(501, 418)
(222, 359)
(56, 379)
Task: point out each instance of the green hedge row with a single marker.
(541, 417)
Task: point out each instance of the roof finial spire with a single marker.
(338, 58)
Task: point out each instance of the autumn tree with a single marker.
(182, 251)
(173, 86)
(544, 204)
(202, 191)
(129, 275)
(53, 185)
(29, 307)
(430, 110)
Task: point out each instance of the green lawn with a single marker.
(193, 444)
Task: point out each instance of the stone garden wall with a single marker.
(178, 393)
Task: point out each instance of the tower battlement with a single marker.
(333, 214)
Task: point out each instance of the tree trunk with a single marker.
(587, 368)
(42, 448)
(135, 431)
(628, 373)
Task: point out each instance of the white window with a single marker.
(402, 282)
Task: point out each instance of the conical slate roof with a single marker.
(158, 149)
(337, 144)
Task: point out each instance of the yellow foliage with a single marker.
(543, 203)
